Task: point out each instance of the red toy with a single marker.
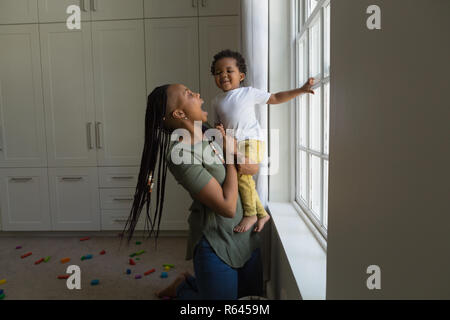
(63, 277)
(132, 262)
(39, 261)
(85, 238)
(26, 255)
(148, 272)
(103, 252)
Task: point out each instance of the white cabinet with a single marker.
(116, 9)
(18, 11)
(171, 8)
(74, 199)
(218, 7)
(216, 34)
(68, 95)
(165, 64)
(120, 94)
(24, 199)
(22, 130)
(55, 10)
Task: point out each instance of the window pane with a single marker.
(326, 62)
(302, 60)
(303, 121)
(315, 132)
(314, 50)
(315, 182)
(303, 176)
(311, 5)
(325, 194)
(326, 118)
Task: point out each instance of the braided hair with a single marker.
(157, 140)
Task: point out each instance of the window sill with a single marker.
(306, 256)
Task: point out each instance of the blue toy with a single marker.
(128, 271)
(164, 275)
(94, 282)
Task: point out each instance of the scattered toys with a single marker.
(95, 282)
(146, 273)
(18, 247)
(102, 252)
(64, 260)
(132, 262)
(2, 281)
(2, 296)
(128, 271)
(46, 259)
(86, 257)
(166, 268)
(138, 276)
(66, 276)
(132, 255)
(138, 242)
(168, 265)
(26, 255)
(39, 261)
(85, 238)
(164, 275)
(140, 252)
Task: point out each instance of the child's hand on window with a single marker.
(307, 86)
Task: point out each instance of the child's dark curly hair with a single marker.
(240, 61)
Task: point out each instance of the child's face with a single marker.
(227, 75)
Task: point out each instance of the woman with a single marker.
(227, 265)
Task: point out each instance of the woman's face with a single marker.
(186, 101)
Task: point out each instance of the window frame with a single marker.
(301, 32)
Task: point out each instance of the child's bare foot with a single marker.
(171, 290)
(261, 222)
(245, 224)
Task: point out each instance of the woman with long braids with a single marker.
(227, 264)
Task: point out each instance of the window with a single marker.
(312, 52)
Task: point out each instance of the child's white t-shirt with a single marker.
(235, 109)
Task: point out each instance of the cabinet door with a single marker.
(216, 34)
(68, 95)
(172, 52)
(120, 96)
(172, 8)
(116, 9)
(55, 10)
(22, 130)
(74, 199)
(24, 199)
(218, 7)
(18, 11)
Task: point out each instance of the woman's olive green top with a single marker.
(193, 166)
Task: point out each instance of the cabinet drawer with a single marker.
(116, 198)
(116, 220)
(118, 177)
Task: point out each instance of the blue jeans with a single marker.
(216, 280)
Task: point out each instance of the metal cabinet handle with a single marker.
(89, 137)
(194, 3)
(71, 178)
(21, 179)
(94, 5)
(203, 3)
(120, 220)
(83, 5)
(124, 177)
(123, 199)
(97, 135)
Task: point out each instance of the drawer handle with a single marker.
(194, 3)
(71, 178)
(123, 199)
(21, 179)
(124, 177)
(120, 220)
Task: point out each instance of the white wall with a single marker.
(389, 150)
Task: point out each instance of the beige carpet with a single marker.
(25, 280)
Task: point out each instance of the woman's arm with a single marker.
(221, 199)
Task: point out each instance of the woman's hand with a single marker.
(229, 142)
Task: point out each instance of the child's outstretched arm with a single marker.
(284, 96)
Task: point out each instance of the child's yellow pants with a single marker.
(254, 150)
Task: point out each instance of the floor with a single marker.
(25, 280)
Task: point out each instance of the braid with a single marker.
(157, 140)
